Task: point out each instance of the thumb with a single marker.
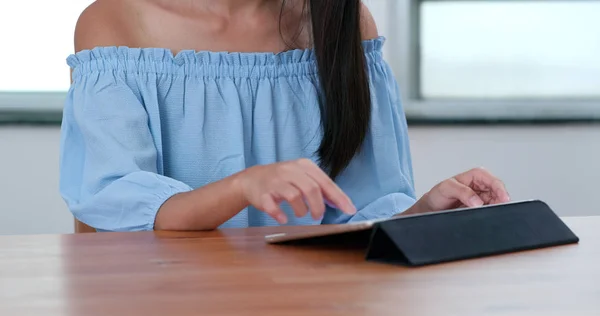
(456, 190)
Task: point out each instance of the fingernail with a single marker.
(353, 209)
(282, 219)
(475, 201)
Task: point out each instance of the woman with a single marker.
(302, 125)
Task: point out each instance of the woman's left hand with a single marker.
(473, 188)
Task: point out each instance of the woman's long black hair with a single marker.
(345, 94)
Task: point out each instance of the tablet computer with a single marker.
(330, 230)
(436, 237)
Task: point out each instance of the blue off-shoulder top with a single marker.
(141, 125)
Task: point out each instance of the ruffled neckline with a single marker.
(206, 57)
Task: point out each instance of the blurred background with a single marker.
(513, 86)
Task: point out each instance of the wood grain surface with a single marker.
(233, 272)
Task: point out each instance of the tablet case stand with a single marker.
(456, 235)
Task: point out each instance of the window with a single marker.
(494, 60)
(35, 45)
(510, 49)
(454, 59)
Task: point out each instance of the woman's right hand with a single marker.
(300, 183)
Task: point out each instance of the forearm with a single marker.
(416, 208)
(205, 208)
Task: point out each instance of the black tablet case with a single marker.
(469, 233)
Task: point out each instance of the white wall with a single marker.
(29, 200)
(557, 164)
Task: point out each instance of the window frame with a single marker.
(404, 19)
(31, 107)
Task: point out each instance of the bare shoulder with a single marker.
(368, 25)
(101, 24)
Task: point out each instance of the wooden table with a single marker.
(233, 272)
